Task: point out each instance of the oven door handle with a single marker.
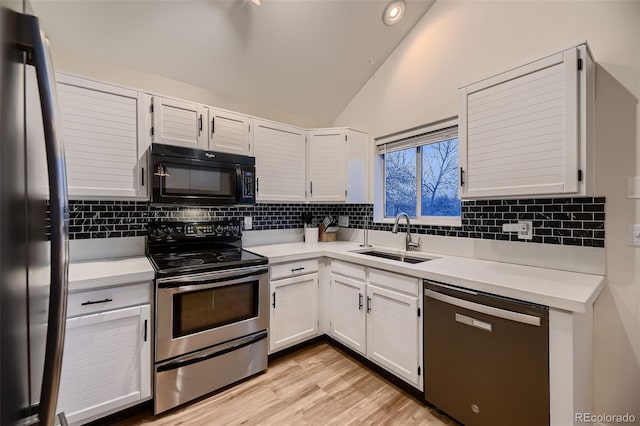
(216, 351)
(211, 277)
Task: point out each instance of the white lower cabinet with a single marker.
(106, 363)
(294, 310)
(387, 326)
(348, 323)
(392, 332)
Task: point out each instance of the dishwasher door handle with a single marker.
(484, 309)
(482, 325)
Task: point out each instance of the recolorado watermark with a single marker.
(605, 418)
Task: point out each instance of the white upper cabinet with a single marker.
(100, 133)
(280, 162)
(327, 165)
(337, 163)
(179, 123)
(525, 132)
(229, 132)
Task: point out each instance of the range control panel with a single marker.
(179, 231)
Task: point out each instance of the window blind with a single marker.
(424, 135)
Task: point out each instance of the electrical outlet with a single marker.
(248, 223)
(526, 230)
(343, 221)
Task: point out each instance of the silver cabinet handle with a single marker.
(35, 43)
(484, 309)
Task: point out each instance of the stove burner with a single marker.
(172, 257)
(185, 262)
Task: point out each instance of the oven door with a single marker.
(197, 311)
(192, 181)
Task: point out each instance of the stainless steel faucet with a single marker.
(409, 245)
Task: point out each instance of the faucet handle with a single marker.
(411, 245)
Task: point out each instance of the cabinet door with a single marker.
(294, 311)
(180, 123)
(280, 162)
(348, 318)
(357, 167)
(327, 165)
(393, 332)
(229, 132)
(106, 363)
(518, 131)
(99, 124)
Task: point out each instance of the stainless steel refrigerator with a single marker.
(33, 224)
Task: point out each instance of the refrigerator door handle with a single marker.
(34, 41)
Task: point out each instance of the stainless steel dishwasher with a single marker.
(486, 357)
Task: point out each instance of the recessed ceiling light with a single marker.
(256, 2)
(393, 11)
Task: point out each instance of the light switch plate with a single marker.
(634, 235)
(343, 221)
(633, 187)
(248, 223)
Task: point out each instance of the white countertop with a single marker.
(564, 290)
(92, 274)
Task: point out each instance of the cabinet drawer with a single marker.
(292, 269)
(88, 302)
(350, 270)
(391, 280)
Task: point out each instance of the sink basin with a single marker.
(394, 256)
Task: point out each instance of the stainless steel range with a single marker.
(211, 309)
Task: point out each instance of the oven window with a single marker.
(200, 181)
(207, 309)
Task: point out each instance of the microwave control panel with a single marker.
(248, 184)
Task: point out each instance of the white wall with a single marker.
(457, 43)
(108, 72)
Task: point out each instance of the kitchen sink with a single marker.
(394, 256)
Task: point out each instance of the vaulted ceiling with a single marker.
(307, 57)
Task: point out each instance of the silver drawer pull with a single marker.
(94, 302)
(487, 326)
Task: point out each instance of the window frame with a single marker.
(380, 177)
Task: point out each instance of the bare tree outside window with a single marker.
(439, 183)
(438, 180)
(400, 182)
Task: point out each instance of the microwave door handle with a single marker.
(239, 184)
(35, 41)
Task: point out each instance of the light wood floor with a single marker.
(317, 385)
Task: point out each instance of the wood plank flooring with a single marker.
(317, 385)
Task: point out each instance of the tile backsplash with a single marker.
(568, 221)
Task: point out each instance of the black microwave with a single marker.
(198, 177)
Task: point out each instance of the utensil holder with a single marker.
(310, 235)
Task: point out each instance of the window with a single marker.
(421, 177)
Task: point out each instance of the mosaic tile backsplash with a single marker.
(569, 221)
